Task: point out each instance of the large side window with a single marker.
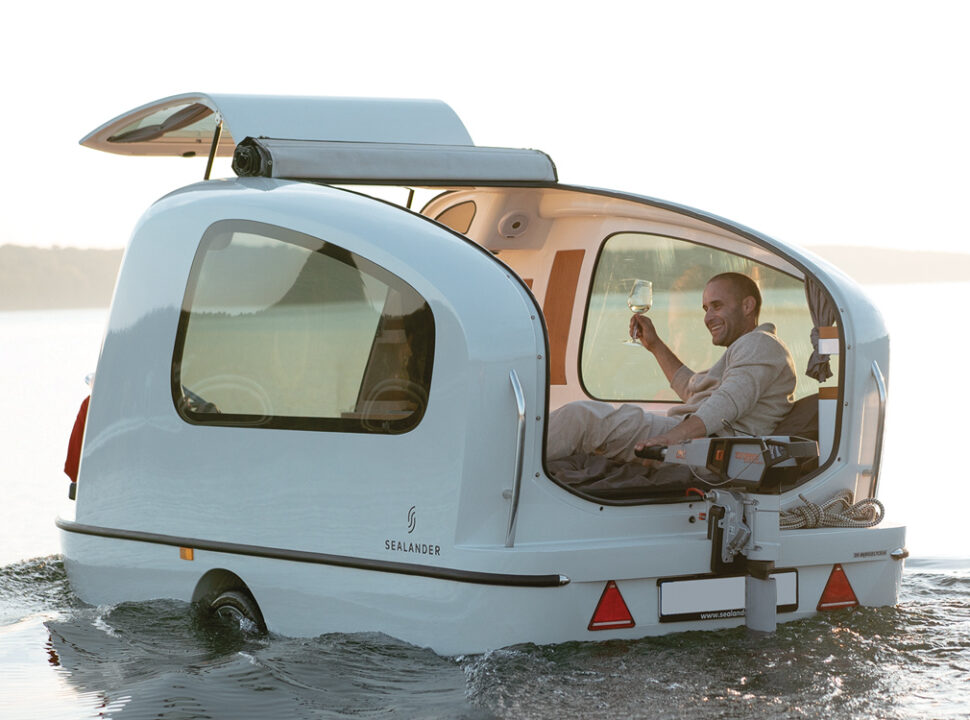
(679, 270)
(280, 329)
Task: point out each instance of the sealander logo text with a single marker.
(412, 547)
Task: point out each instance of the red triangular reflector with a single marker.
(611, 611)
(838, 592)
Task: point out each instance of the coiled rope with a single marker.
(837, 511)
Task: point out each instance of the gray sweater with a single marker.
(751, 386)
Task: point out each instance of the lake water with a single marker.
(62, 659)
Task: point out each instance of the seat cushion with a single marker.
(801, 420)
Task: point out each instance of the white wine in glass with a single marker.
(639, 301)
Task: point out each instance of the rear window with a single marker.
(279, 329)
(678, 270)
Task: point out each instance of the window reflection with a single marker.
(279, 329)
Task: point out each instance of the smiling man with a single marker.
(747, 391)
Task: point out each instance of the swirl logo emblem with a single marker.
(411, 520)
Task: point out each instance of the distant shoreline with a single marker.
(56, 278)
(886, 266)
(65, 277)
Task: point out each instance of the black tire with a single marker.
(238, 608)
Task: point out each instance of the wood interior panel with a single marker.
(558, 308)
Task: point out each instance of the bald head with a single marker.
(741, 287)
(732, 303)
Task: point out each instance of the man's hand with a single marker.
(641, 327)
(656, 441)
(692, 427)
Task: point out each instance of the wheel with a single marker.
(238, 608)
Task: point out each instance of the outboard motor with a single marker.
(743, 526)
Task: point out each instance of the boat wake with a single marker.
(162, 657)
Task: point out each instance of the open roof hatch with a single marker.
(320, 138)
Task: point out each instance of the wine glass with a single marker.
(639, 301)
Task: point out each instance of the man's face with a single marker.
(725, 313)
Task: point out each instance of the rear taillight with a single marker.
(611, 611)
(838, 592)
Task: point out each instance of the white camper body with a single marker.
(330, 411)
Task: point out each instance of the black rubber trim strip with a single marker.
(303, 556)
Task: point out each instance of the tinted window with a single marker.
(679, 271)
(279, 329)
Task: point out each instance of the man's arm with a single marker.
(647, 335)
(692, 427)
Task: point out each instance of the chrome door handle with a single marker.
(880, 424)
(519, 452)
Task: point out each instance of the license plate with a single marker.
(713, 597)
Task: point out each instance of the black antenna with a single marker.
(216, 137)
(733, 429)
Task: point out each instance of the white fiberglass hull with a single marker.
(308, 598)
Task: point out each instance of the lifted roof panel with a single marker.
(184, 125)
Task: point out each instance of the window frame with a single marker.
(292, 422)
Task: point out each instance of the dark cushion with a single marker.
(801, 420)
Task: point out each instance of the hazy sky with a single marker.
(817, 123)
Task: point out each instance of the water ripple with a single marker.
(167, 660)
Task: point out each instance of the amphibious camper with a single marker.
(324, 411)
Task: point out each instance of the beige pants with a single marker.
(589, 426)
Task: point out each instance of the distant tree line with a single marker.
(59, 277)
(64, 277)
